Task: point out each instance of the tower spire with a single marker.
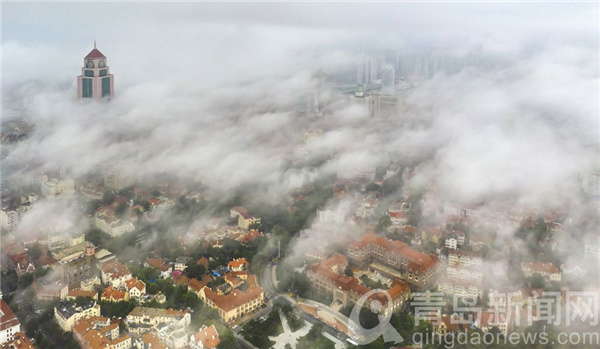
(94, 43)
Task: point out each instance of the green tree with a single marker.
(25, 280)
(195, 270)
(227, 339)
(34, 252)
(108, 197)
(384, 222)
(121, 209)
(348, 270)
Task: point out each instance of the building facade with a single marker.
(96, 81)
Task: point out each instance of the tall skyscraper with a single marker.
(95, 80)
(388, 81)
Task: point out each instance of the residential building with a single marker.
(111, 294)
(95, 80)
(76, 292)
(113, 226)
(100, 332)
(148, 341)
(239, 264)
(451, 243)
(135, 287)
(173, 335)
(545, 269)
(245, 220)
(205, 338)
(49, 287)
(116, 274)
(19, 341)
(54, 186)
(141, 319)
(327, 276)
(66, 313)
(388, 81)
(420, 269)
(181, 263)
(9, 324)
(465, 258)
(388, 106)
(159, 263)
(235, 304)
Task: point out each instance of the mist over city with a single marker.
(300, 175)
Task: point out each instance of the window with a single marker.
(103, 72)
(86, 88)
(89, 73)
(105, 87)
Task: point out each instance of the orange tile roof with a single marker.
(237, 263)
(111, 294)
(19, 341)
(7, 317)
(540, 267)
(208, 336)
(196, 285)
(235, 299)
(81, 293)
(116, 270)
(157, 263)
(152, 341)
(135, 282)
(334, 260)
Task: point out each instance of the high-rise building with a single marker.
(591, 183)
(388, 81)
(95, 80)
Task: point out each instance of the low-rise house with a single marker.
(205, 338)
(238, 264)
(103, 258)
(48, 288)
(116, 274)
(18, 341)
(181, 263)
(135, 287)
(545, 269)
(204, 262)
(110, 294)
(100, 332)
(195, 285)
(66, 313)
(159, 263)
(9, 324)
(90, 283)
(142, 319)
(77, 292)
(486, 320)
(148, 341)
(172, 335)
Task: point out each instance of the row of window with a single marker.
(90, 73)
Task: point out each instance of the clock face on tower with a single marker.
(101, 64)
(89, 64)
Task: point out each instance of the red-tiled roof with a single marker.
(236, 263)
(95, 53)
(208, 336)
(540, 267)
(235, 298)
(8, 318)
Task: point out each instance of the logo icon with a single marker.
(363, 335)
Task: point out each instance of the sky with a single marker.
(207, 90)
